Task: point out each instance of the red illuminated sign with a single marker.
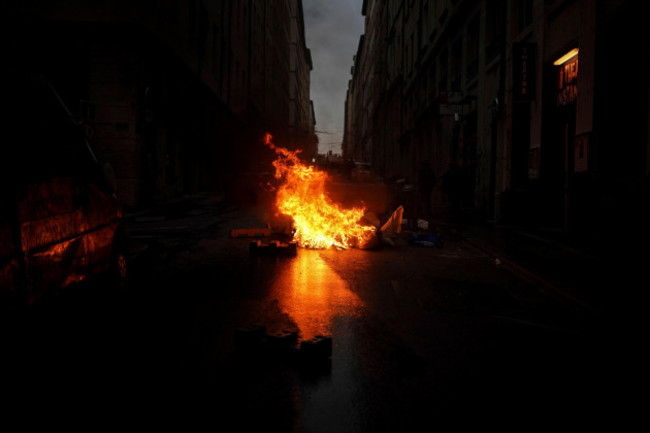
(524, 55)
(567, 81)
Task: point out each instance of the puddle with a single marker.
(313, 294)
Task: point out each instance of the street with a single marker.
(427, 336)
(444, 209)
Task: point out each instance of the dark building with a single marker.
(491, 94)
(177, 94)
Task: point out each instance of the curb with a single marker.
(548, 286)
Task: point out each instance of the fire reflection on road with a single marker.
(313, 294)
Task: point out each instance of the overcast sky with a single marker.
(332, 31)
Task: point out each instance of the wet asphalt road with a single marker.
(423, 339)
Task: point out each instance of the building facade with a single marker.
(490, 94)
(301, 109)
(177, 95)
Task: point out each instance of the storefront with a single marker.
(559, 139)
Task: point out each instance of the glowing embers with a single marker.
(318, 222)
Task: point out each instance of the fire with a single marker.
(318, 222)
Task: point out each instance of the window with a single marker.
(525, 14)
(456, 65)
(420, 44)
(406, 59)
(495, 28)
(215, 44)
(432, 82)
(444, 71)
(413, 52)
(472, 47)
(192, 27)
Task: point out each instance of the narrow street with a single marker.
(432, 335)
(509, 137)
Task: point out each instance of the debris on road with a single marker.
(274, 248)
(313, 355)
(392, 226)
(282, 339)
(421, 224)
(250, 337)
(425, 240)
(318, 347)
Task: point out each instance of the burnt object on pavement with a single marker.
(275, 248)
(250, 337)
(282, 346)
(319, 347)
(282, 339)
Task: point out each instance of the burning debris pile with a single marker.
(317, 220)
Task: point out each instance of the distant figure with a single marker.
(426, 182)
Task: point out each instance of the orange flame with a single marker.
(318, 222)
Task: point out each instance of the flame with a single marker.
(318, 222)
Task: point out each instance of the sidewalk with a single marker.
(601, 284)
(167, 222)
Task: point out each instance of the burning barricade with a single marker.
(304, 211)
(317, 221)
